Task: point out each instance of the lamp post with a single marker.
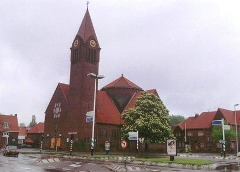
(236, 130)
(95, 77)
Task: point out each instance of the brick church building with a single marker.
(65, 116)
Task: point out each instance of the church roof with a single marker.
(65, 89)
(132, 102)
(86, 28)
(122, 82)
(107, 112)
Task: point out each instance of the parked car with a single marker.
(10, 151)
(25, 146)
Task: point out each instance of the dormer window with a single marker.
(5, 125)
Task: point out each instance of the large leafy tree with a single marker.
(149, 117)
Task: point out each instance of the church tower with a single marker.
(85, 52)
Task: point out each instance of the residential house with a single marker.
(35, 135)
(8, 130)
(197, 131)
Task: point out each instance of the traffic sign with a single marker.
(90, 113)
(89, 119)
(217, 122)
(133, 135)
(226, 127)
(123, 144)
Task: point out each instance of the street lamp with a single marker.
(236, 126)
(95, 77)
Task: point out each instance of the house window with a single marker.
(103, 133)
(5, 134)
(202, 145)
(200, 133)
(86, 139)
(189, 133)
(178, 134)
(5, 125)
(115, 133)
(209, 139)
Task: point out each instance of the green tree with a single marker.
(176, 119)
(149, 117)
(217, 133)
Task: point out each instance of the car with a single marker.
(25, 146)
(10, 151)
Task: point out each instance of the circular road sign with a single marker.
(123, 144)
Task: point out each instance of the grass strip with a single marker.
(184, 161)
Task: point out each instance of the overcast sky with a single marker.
(187, 50)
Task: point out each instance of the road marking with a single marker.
(74, 165)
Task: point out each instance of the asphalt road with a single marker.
(47, 163)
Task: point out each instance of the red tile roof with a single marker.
(12, 121)
(106, 110)
(229, 116)
(65, 90)
(23, 131)
(202, 121)
(28, 140)
(122, 82)
(38, 128)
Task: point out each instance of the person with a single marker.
(171, 147)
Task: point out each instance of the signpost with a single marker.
(133, 136)
(221, 122)
(89, 119)
(124, 146)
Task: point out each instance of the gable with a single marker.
(107, 112)
(9, 123)
(60, 95)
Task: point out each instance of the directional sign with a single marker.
(217, 122)
(90, 113)
(226, 127)
(89, 119)
(133, 135)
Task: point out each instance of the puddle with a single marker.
(228, 167)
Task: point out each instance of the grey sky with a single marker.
(188, 50)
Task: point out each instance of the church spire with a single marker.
(86, 29)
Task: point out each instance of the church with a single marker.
(66, 124)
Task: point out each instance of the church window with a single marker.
(74, 56)
(91, 56)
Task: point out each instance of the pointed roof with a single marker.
(202, 121)
(65, 89)
(122, 82)
(132, 102)
(38, 128)
(229, 116)
(86, 29)
(11, 122)
(107, 112)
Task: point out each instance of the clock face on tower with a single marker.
(75, 43)
(92, 43)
